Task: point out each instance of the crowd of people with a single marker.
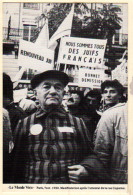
(65, 136)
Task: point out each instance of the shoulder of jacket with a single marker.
(74, 117)
(28, 118)
(113, 111)
(117, 106)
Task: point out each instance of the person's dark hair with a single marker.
(94, 93)
(113, 83)
(7, 87)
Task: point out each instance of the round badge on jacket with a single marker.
(36, 129)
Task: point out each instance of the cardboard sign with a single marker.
(35, 57)
(90, 78)
(120, 73)
(82, 51)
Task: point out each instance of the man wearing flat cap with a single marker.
(51, 145)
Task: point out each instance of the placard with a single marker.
(35, 57)
(82, 51)
(90, 78)
(120, 73)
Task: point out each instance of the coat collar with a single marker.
(58, 111)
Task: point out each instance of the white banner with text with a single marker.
(35, 57)
(82, 51)
(120, 73)
(91, 78)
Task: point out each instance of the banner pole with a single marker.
(65, 67)
(58, 68)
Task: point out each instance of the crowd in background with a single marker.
(93, 106)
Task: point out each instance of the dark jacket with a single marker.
(7, 147)
(15, 114)
(90, 118)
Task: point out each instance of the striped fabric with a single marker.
(47, 155)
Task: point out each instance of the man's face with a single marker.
(92, 103)
(73, 100)
(50, 92)
(110, 95)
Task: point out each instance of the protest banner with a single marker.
(90, 78)
(36, 57)
(63, 30)
(120, 73)
(82, 51)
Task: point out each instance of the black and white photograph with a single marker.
(65, 93)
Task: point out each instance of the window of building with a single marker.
(35, 6)
(28, 32)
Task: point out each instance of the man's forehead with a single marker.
(51, 81)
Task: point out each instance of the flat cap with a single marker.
(54, 74)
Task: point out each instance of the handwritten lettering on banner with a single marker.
(82, 51)
(35, 57)
(90, 78)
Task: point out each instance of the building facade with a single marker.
(24, 21)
